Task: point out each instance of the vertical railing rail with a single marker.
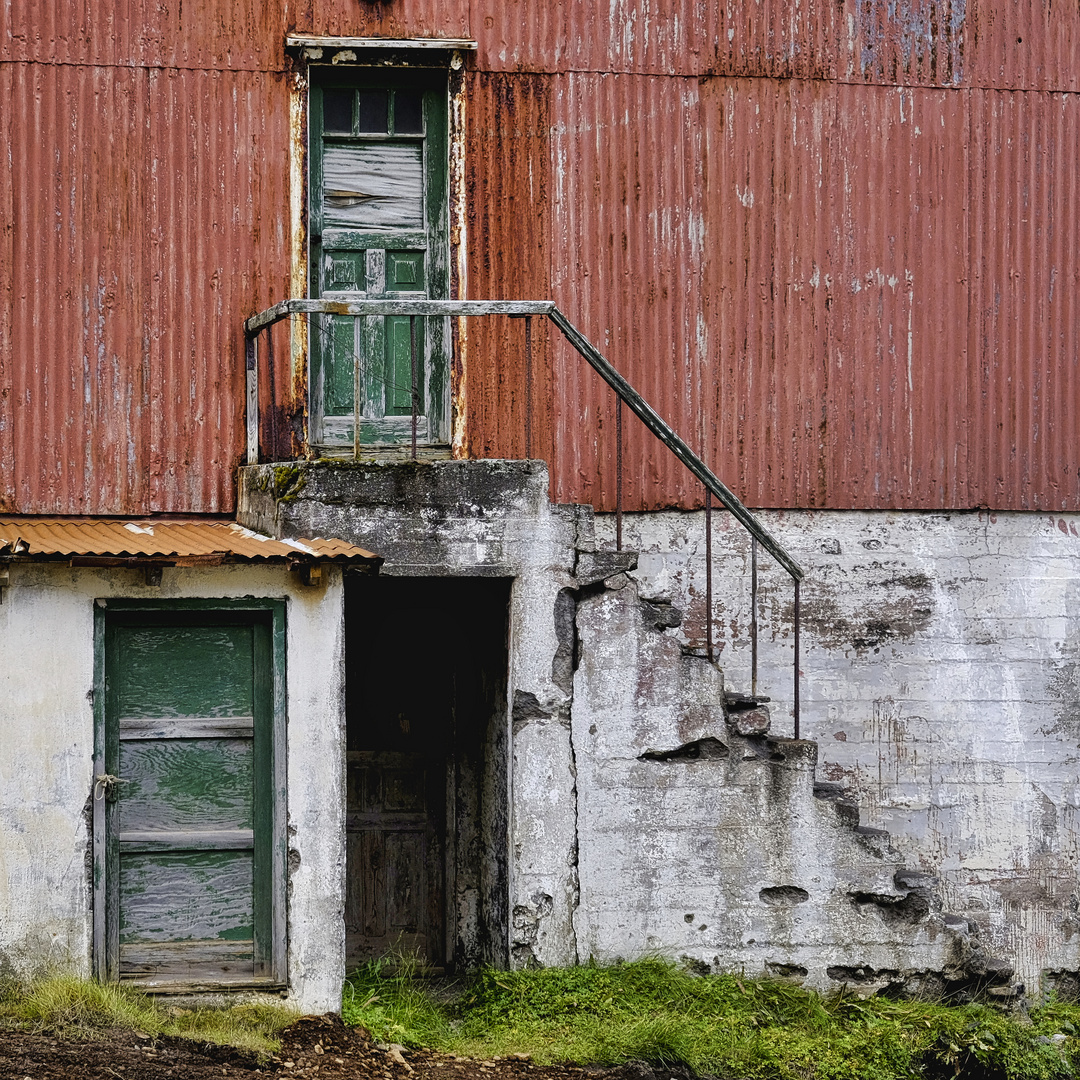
(753, 616)
(625, 395)
(708, 577)
(618, 473)
(528, 388)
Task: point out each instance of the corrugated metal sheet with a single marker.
(507, 233)
(80, 378)
(908, 42)
(628, 235)
(1023, 322)
(519, 35)
(1024, 45)
(672, 37)
(239, 34)
(7, 284)
(218, 200)
(898, 401)
(1015, 44)
(29, 537)
(82, 31)
(400, 19)
(829, 293)
(149, 212)
(766, 290)
(844, 293)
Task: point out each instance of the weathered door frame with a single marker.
(270, 762)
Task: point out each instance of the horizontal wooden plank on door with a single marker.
(141, 958)
(187, 727)
(205, 840)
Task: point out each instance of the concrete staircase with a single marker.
(702, 835)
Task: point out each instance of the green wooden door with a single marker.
(186, 796)
(378, 216)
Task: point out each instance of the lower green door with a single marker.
(186, 796)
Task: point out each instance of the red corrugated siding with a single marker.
(767, 292)
(906, 42)
(1025, 273)
(402, 18)
(82, 31)
(218, 174)
(80, 288)
(149, 213)
(845, 294)
(197, 33)
(7, 354)
(898, 402)
(507, 233)
(1023, 45)
(519, 35)
(628, 235)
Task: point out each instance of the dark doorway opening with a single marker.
(427, 740)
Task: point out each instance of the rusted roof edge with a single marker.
(112, 542)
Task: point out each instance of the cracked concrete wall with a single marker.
(697, 841)
(475, 518)
(941, 680)
(46, 762)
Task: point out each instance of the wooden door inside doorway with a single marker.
(426, 668)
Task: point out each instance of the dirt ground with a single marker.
(315, 1046)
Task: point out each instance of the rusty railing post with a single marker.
(708, 575)
(415, 389)
(528, 387)
(272, 383)
(795, 693)
(251, 375)
(356, 387)
(753, 616)
(618, 473)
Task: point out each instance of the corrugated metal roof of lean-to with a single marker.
(183, 541)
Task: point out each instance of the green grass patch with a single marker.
(721, 1025)
(71, 1007)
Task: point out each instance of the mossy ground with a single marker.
(721, 1025)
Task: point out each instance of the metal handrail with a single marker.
(624, 392)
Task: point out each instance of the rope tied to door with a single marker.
(106, 786)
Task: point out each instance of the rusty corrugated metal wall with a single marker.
(836, 246)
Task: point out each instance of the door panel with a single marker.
(379, 216)
(395, 825)
(186, 804)
(186, 784)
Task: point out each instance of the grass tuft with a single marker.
(720, 1025)
(76, 1008)
(390, 999)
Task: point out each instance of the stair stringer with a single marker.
(695, 841)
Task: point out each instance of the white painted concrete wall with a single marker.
(46, 762)
(941, 679)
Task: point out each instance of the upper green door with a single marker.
(186, 798)
(378, 218)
